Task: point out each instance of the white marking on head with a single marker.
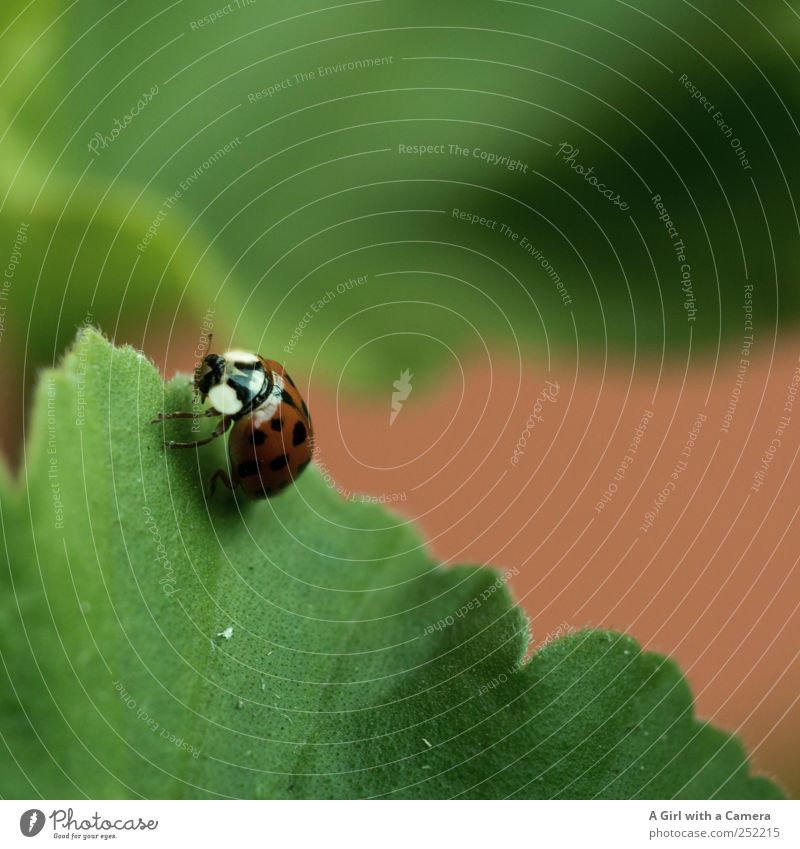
(257, 380)
(231, 357)
(223, 399)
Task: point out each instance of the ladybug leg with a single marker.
(164, 416)
(224, 423)
(220, 475)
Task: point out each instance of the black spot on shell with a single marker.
(289, 379)
(279, 463)
(259, 437)
(277, 423)
(247, 469)
(287, 399)
(299, 434)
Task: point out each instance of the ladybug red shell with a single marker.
(271, 440)
(272, 445)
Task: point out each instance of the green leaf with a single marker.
(159, 644)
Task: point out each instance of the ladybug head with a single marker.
(209, 374)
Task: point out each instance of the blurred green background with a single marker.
(167, 164)
(314, 189)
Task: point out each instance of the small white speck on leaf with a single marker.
(227, 633)
(427, 743)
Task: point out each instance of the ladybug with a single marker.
(272, 440)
